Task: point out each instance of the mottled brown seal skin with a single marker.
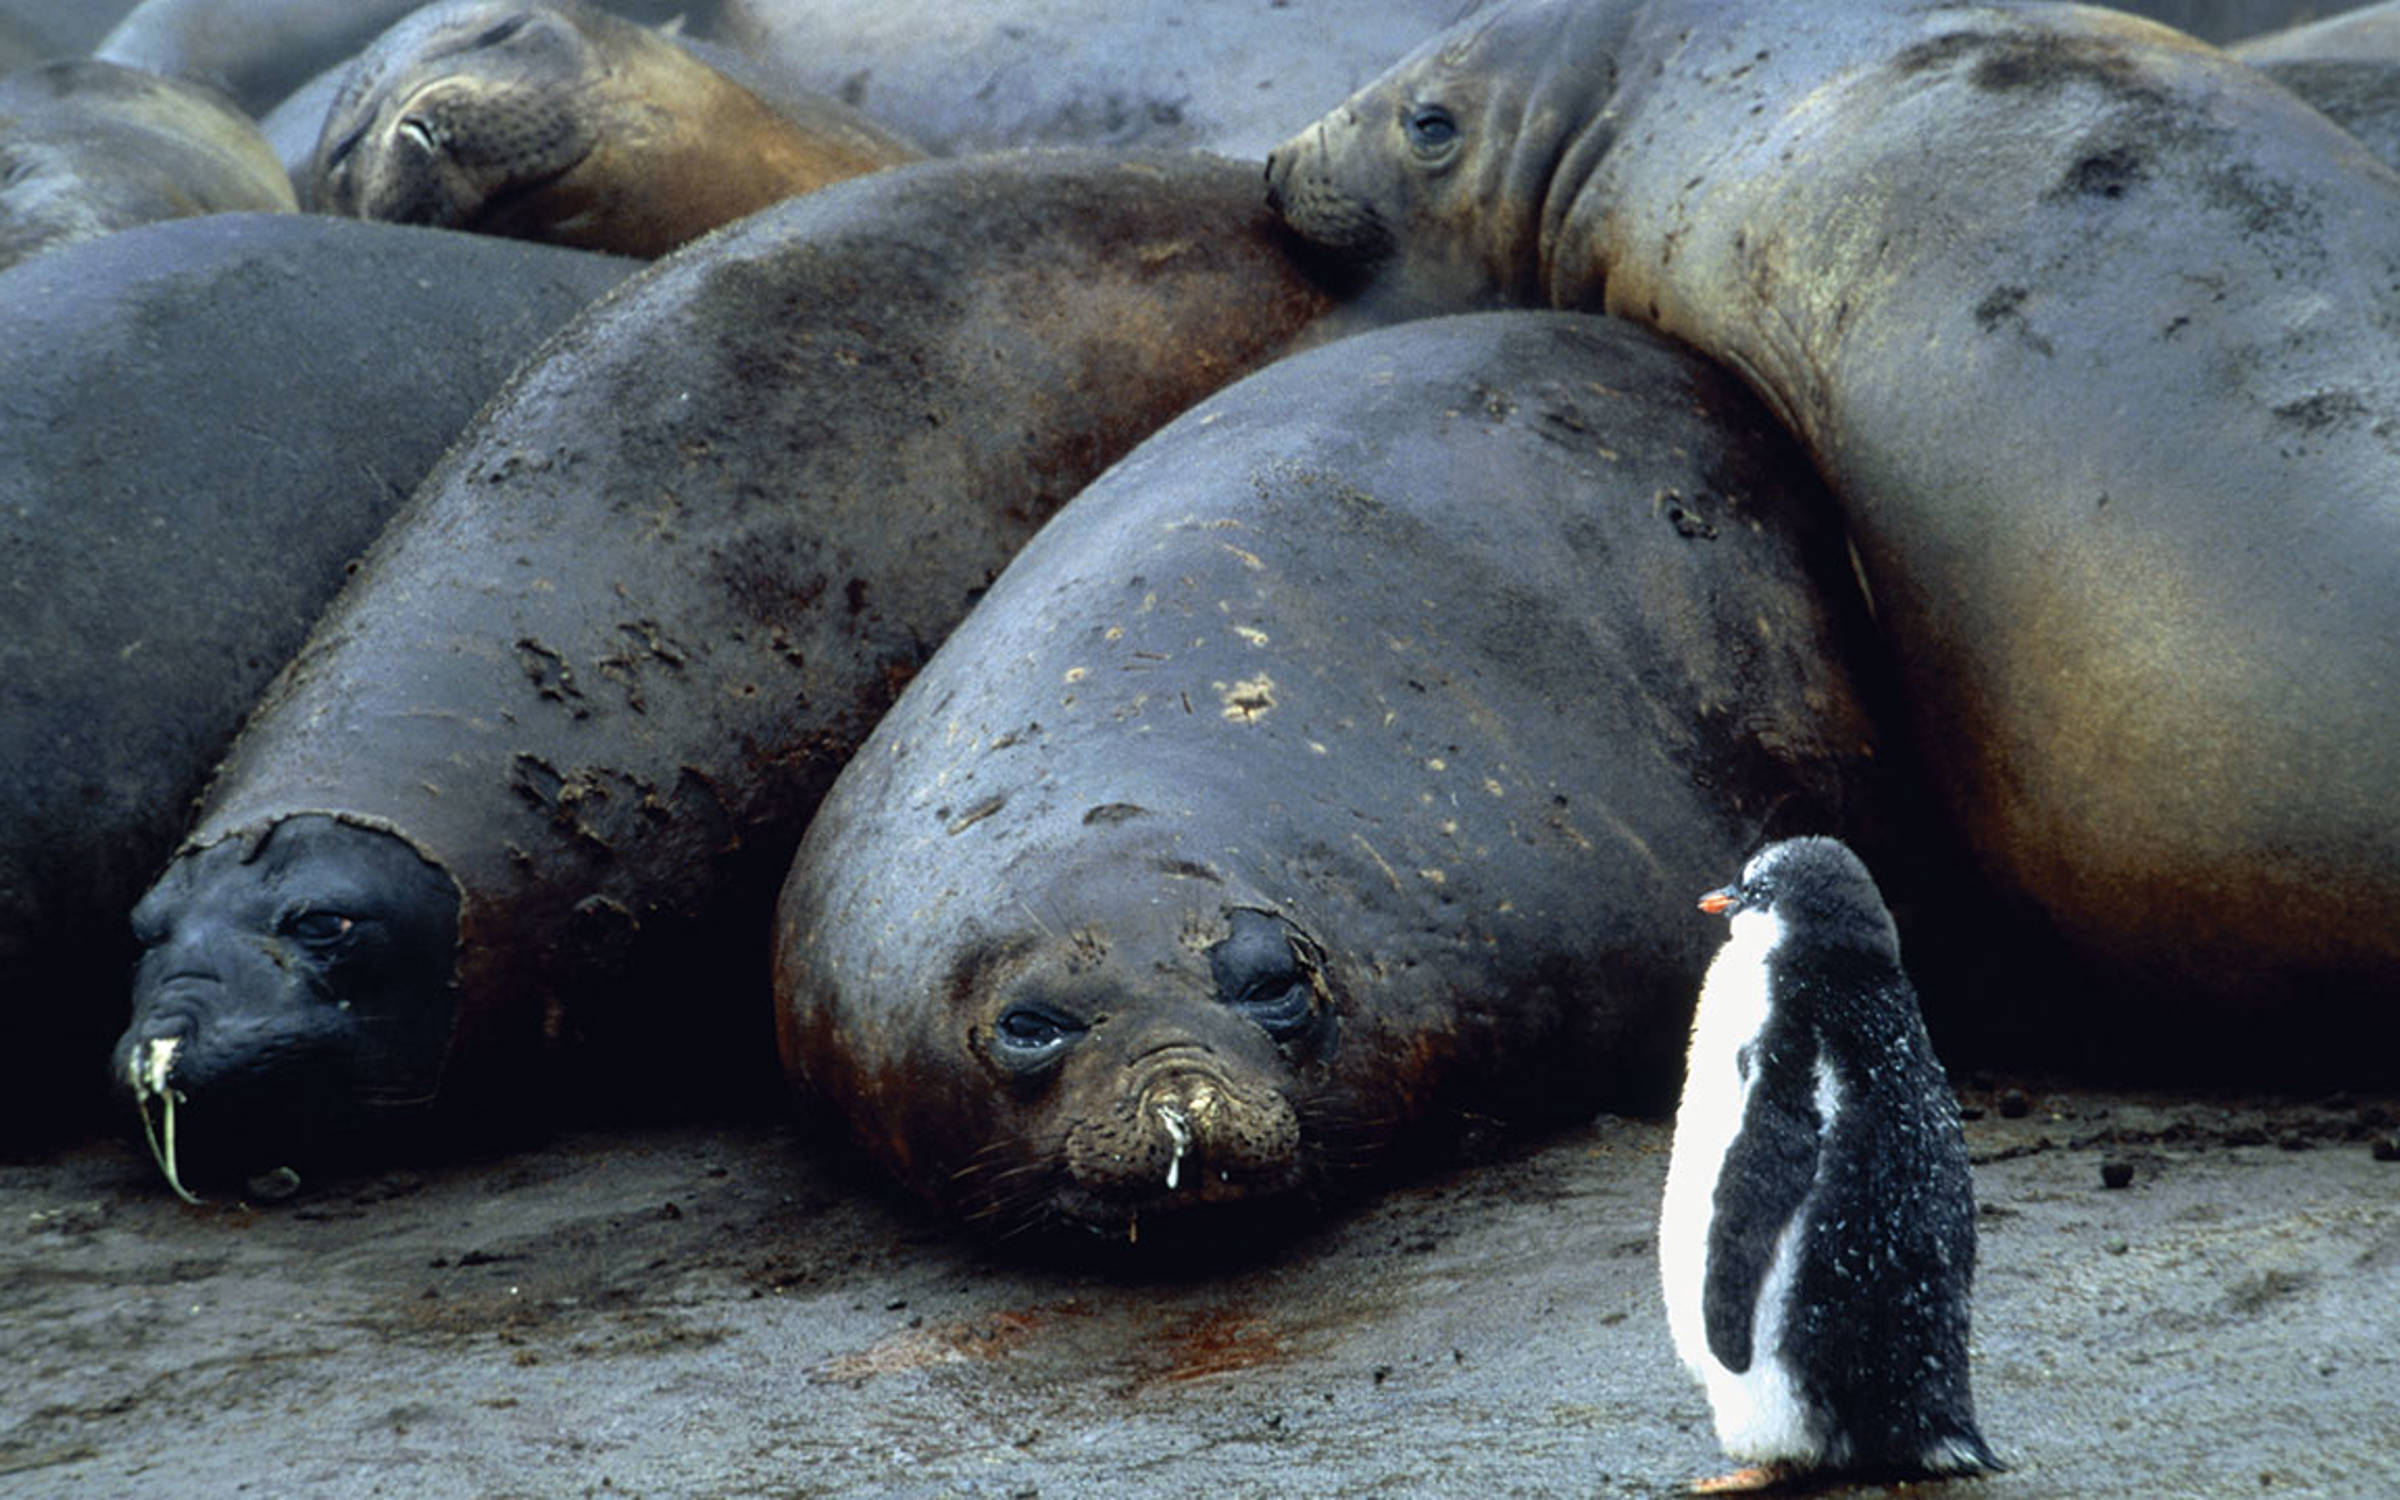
(89, 148)
(2092, 330)
(599, 672)
(558, 121)
(1329, 777)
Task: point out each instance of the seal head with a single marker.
(294, 989)
(1439, 185)
(560, 122)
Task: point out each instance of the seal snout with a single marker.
(1187, 1129)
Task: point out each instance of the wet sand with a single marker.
(711, 1311)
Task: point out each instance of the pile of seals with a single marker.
(2002, 484)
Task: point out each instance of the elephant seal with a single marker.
(259, 51)
(89, 148)
(1333, 771)
(554, 120)
(2091, 330)
(207, 421)
(22, 45)
(1229, 76)
(599, 672)
(2347, 68)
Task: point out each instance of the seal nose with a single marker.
(1222, 1135)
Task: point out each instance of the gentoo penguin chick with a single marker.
(1816, 1243)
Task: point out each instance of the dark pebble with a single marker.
(2387, 1146)
(2015, 1104)
(2116, 1173)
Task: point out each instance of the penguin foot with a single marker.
(1747, 1481)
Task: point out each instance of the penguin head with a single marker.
(1811, 886)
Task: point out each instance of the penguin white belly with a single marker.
(1760, 1414)
(1732, 1009)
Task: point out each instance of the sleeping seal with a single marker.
(592, 681)
(554, 120)
(1331, 774)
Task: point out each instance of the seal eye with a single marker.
(1432, 130)
(318, 929)
(1027, 1035)
(1282, 1007)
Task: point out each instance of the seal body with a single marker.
(2133, 556)
(602, 669)
(2347, 67)
(1321, 779)
(1817, 1236)
(207, 421)
(978, 75)
(555, 120)
(88, 148)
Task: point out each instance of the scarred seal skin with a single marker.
(2091, 329)
(206, 421)
(89, 148)
(601, 670)
(1330, 774)
(557, 121)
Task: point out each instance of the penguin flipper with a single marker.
(1766, 1175)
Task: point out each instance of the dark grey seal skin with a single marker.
(1230, 76)
(2092, 331)
(558, 121)
(89, 148)
(600, 672)
(1332, 773)
(205, 421)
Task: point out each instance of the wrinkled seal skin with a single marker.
(602, 669)
(558, 121)
(89, 148)
(1331, 773)
(2092, 330)
(1230, 76)
(206, 421)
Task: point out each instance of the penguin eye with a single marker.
(1432, 131)
(1029, 1035)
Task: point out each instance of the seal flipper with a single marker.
(1767, 1173)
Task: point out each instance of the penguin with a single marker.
(1817, 1234)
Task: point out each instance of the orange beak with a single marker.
(1716, 903)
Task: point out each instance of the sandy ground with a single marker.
(711, 1311)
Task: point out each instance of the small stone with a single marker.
(2015, 1104)
(2116, 1172)
(2387, 1146)
(2116, 1247)
(274, 1186)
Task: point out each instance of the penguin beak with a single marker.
(1718, 902)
